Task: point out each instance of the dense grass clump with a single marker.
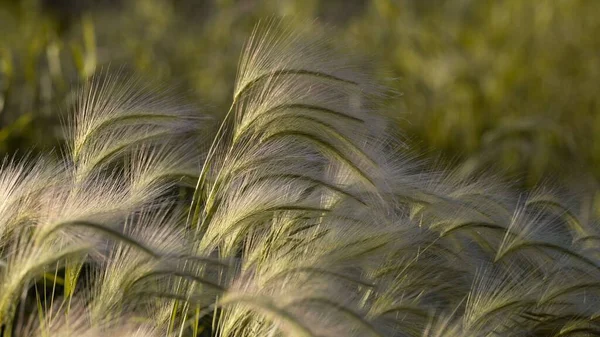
(303, 217)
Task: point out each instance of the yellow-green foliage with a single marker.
(303, 216)
(511, 83)
(38, 64)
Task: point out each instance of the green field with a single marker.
(299, 168)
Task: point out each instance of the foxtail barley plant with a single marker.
(303, 217)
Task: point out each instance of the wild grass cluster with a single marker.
(304, 216)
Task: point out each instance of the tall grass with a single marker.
(302, 218)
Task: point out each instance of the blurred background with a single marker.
(508, 86)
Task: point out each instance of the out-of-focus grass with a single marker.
(505, 84)
(38, 64)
